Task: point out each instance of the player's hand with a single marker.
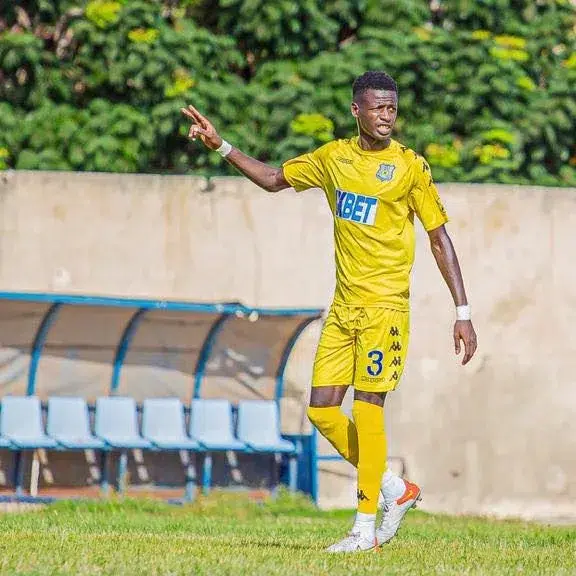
(464, 331)
(201, 128)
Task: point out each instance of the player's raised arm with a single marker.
(447, 261)
(268, 177)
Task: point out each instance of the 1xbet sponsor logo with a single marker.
(356, 207)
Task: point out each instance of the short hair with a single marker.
(373, 80)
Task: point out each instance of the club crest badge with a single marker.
(385, 172)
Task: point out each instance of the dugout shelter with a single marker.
(61, 346)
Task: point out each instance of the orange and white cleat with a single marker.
(395, 512)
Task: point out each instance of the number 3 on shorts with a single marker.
(376, 356)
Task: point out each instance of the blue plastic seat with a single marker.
(259, 427)
(21, 423)
(211, 424)
(163, 424)
(69, 424)
(116, 423)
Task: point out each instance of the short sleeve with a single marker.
(424, 199)
(305, 171)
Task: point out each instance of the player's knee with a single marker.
(314, 415)
(322, 417)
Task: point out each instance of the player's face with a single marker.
(376, 112)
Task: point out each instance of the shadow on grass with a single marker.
(267, 544)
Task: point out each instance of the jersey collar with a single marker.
(374, 153)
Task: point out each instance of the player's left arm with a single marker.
(447, 262)
(426, 203)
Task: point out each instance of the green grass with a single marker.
(231, 535)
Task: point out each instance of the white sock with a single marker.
(365, 524)
(392, 487)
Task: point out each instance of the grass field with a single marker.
(231, 535)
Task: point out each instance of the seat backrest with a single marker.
(116, 416)
(68, 417)
(163, 417)
(21, 416)
(258, 421)
(211, 420)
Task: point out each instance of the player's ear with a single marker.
(354, 109)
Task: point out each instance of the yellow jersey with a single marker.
(373, 196)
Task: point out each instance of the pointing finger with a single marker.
(192, 114)
(197, 116)
(187, 113)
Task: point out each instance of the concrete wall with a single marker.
(494, 437)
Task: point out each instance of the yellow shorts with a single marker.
(363, 347)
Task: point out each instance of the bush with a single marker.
(486, 88)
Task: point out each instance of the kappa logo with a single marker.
(385, 172)
(394, 331)
(356, 207)
(361, 496)
(440, 205)
(397, 361)
(396, 346)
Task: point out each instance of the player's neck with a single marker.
(372, 144)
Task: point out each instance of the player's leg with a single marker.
(368, 413)
(333, 373)
(381, 352)
(325, 413)
(334, 367)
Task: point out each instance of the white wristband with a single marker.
(463, 312)
(225, 148)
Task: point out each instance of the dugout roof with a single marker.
(55, 344)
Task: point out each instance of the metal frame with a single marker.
(206, 350)
(38, 344)
(123, 347)
(152, 304)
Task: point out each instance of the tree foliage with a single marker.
(486, 88)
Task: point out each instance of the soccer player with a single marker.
(374, 186)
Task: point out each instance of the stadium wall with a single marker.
(494, 437)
